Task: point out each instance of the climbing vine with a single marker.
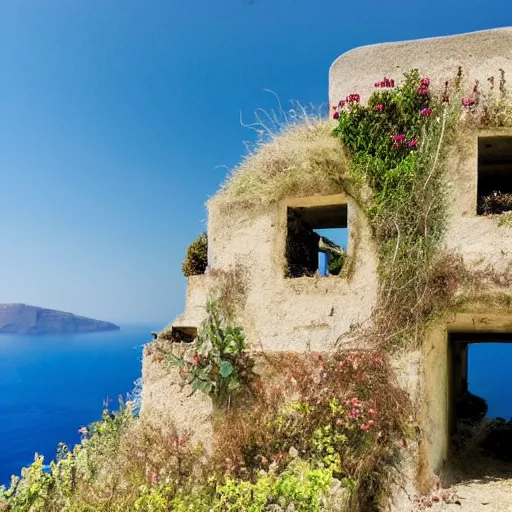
(396, 146)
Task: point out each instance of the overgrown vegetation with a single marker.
(319, 438)
(344, 413)
(291, 161)
(196, 259)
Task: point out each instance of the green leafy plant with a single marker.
(196, 259)
(396, 145)
(217, 364)
(336, 263)
(299, 487)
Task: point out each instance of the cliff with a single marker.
(23, 319)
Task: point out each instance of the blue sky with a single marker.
(119, 118)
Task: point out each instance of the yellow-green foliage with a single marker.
(505, 219)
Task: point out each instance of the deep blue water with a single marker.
(490, 376)
(50, 386)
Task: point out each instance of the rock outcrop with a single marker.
(23, 319)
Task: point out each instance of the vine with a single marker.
(396, 147)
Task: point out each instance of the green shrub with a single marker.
(196, 259)
(299, 487)
(217, 363)
(396, 145)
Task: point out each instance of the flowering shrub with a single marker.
(383, 135)
(217, 363)
(347, 416)
(396, 147)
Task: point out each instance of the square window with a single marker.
(316, 240)
(494, 175)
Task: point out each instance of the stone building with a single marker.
(316, 313)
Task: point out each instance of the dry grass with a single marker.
(302, 159)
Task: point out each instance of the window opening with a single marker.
(494, 175)
(316, 242)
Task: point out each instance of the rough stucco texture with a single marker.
(167, 403)
(481, 55)
(280, 313)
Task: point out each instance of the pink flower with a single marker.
(336, 115)
(154, 478)
(399, 138)
(371, 423)
(364, 428)
(468, 102)
(341, 104)
(380, 108)
(377, 84)
(426, 112)
(372, 411)
(334, 107)
(353, 98)
(412, 143)
(424, 85)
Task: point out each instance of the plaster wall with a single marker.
(479, 239)
(167, 403)
(281, 313)
(481, 55)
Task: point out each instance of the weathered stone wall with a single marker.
(281, 313)
(167, 403)
(312, 313)
(479, 239)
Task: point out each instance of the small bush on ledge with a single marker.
(495, 203)
(196, 260)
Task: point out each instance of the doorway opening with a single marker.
(480, 415)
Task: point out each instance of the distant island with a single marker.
(23, 319)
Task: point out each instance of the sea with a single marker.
(50, 386)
